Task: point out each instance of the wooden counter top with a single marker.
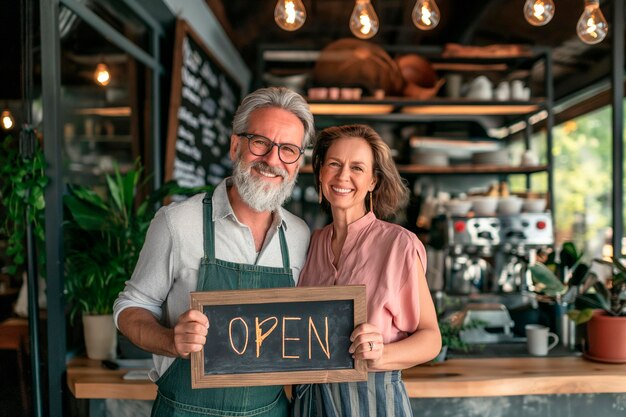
(88, 379)
(485, 377)
(489, 377)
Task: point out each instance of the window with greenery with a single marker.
(583, 181)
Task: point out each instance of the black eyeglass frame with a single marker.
(249, 136)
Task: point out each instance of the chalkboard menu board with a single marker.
(278, 336)
(203, 101)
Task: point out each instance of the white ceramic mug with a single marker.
(537, 339)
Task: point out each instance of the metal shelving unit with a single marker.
(407, 111)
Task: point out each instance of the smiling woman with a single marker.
(347, 176)
(358, 180)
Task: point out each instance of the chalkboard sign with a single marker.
(203, 101)
(278, 336)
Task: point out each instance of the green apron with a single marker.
(175, 398)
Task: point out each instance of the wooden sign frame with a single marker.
(353, 293)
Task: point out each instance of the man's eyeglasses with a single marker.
(261, 146)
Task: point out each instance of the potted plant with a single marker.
(604, 313)
(103, 237)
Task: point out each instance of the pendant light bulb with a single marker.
(592, 26)
(538, 12)
(289, 14)
(102, 75)
(426, 14)
(363, 21)
(7, 119)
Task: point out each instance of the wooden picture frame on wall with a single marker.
(279, 336)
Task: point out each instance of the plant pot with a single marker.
(606, 337)
(100, 336)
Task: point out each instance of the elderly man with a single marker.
(238, 237)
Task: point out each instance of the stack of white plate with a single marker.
(430, 158)
(499, 157)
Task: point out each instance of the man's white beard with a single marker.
(261, 195)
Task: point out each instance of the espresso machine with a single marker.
(486, 266)
(491, 254)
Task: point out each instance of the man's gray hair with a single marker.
(279, 97)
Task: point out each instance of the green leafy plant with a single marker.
(555, 279)
(22, 184)
(582, 289)
(451, 336)
(103, 238)
(611, 297)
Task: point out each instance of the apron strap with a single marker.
(209, 234)
(208, 227)
(284, 251)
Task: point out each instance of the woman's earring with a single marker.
(371, 204)
(320, 194)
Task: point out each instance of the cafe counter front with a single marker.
(508, 383)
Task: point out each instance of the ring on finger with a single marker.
(371, 345)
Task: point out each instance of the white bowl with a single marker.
(534, 205)
(484, 206)
(458, 207)
(510, 205)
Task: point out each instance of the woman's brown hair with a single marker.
(390, 192)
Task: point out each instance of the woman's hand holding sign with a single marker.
(367, 343)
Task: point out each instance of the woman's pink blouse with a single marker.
(384, 257)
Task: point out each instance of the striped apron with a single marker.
(382, 395)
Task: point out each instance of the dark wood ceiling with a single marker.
(469, 22)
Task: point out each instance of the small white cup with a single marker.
(537, 339)
(517, 90)
(503, 91)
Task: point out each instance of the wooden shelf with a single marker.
(122, 111)
(458, 169)
(471, 169)
(433, 107)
